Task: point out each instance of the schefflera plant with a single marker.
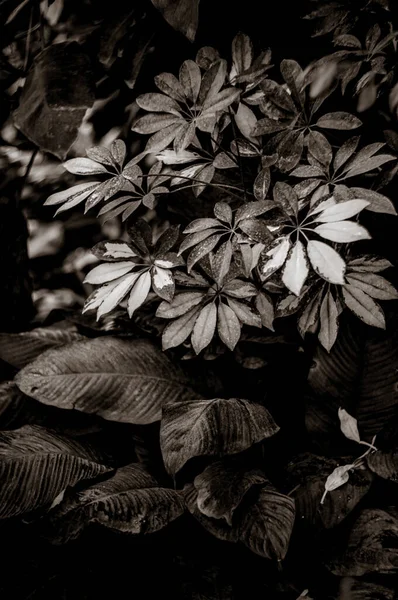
(279, 237)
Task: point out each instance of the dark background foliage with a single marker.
(42, 266)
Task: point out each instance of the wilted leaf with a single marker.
(130, 501)
(118, 379)
(307, 474)
(336, 479)
(37, 464)
(211, 428)
(57, 93)
(19, 349)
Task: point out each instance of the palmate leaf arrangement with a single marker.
(282, 230)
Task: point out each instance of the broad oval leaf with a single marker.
(37, 464)
(267, 525)
(222, 486)
(130, 501)
(326, 262)
(19, 349)
(211, 428)
(118, 379)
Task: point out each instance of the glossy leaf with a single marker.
(204, 327)
(326, 262)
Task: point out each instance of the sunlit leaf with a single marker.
(296, 268)
(363, 306)
(326, 262)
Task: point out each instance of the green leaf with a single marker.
(368, 165)
(195, 238)
(201, 250)
(190, 79)
(152, 123)
(326, 262)
(205, 175)
(101, 155)
(204, 327)
(294, 78)
(177, 332)
(160, 140)
(239, 289)
(329, 326)
(257, 230)
(155, 102)
(266, 310)
(339, 120)
(363, 306)
(169, 85)
(180, 304)
(309, 318)
(215, 427)
(368, 263)
(320, 148)
(19, 349)
(130, 501)
(373, 285)
(242, 53)
(253, 209)
(36, 465)
(345, 152)
(296, 268)
(245, 313)
(117, 379)
(84, 166)
(286, 197)
(201, 225)
(220, 101)
(221, 262)
(109, 271)
(118, 152)
(104, 191)
(228, 326)
(261, 184)
(274, 257)
(113, 251)
(223, 211)
(245, 120)
(290, 151)
(377, 202)
(267, 526)
(341, 211)
(212, 81)
(75, 194)
(222, 486)
(141, 288)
